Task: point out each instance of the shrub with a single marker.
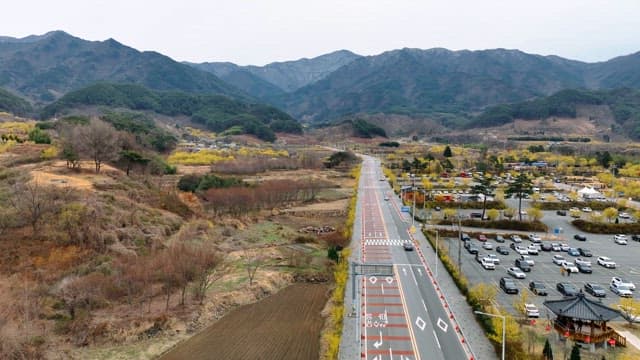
(39, 137)
(502, 224)
(606, 228)
(595, 205)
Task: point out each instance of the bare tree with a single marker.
(209, 269)
(252, 261)
(98, 141)
(32, 202)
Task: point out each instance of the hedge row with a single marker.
(502, 224)
(595, 205)
(605, 228)
(461, 281)
(464, 205)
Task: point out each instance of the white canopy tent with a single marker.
(589, 193)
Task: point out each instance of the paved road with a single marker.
(401, 316)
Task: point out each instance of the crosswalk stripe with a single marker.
(385, 242)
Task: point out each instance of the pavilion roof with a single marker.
(581, 307)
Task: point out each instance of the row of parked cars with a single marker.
(617, 285)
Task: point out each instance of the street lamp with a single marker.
(437, 259)
(504, 327)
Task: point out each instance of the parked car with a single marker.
(508, 285)
(606, 262)
(573, 252)
(528, 259)
(567, 289)
(471, 248)
(558, 259)
(516, 239)
(569, 266)
(621, 290)
(465, 237)
(545, 246)
(487, 246)
(494, 258)
(635, 237)
(556, 247)
(408, 246)
(521, 250)
(586, 209)
(624, 215)
(561, 212)
(475, 215)
(580, 237)
(573, 209)
(564, 247)
(538, 288)
(585, 252)
(621, 281)
(488, 264)
(502, 250)
(499, 238)
(620, 239)
(595, 289)
(531, 310)
(482, 237)
(582, 261)
(584, 268)
(536, 239)
(516, 272)
(533, 249)
(523, 265)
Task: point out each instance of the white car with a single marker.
(516, 239)
(494, 258)
(531, 310)
(564, 247)
(516, 273)
(620, 281)
(620, 239)
(556, 247)
(606, 262)
(558, 259)
(569, 266)
(533, 249)
(528, 260)
(487, 264)
(574, 209)
(535, 238)
(521, 250)
(621, 290)
(487, 246)
(586, 209)
(582, 261)
(624, 215)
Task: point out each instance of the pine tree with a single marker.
(521, 186)
(447, 152)
(485, 188)
(575, 353)
(547, 353)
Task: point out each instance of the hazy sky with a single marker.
(263, 31)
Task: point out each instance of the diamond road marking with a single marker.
(373, 280)
(389, 280)
(420, 323)
(442, 325)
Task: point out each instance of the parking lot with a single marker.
(625, 256)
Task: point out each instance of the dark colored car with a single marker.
(475, 215)
(567, 289)
(508, 285)
(583, 268)
(573, 252)
(499, 238)
(635, 237)
(546, 246)
(561, 212)
(538, 288)
(502, 250)
(471, 248)
(523, 265)
(408, 246)
(585, 252)
(465, 237)
(595, 290)
(580, 237)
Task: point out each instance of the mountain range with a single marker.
(331, 87)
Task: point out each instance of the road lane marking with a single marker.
(414, 345)
(425, 306)
(436, 337)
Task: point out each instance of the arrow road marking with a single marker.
(442, 325)
(377, 344)
(404, 271)
(420, 271)
(420, 323)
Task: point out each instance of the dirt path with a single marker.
(283, 326)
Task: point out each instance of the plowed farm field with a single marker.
(285, 326)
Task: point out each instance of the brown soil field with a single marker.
(284, 326)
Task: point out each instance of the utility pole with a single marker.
(413, 189)
(459, 246)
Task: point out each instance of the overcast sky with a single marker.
(262, 31)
